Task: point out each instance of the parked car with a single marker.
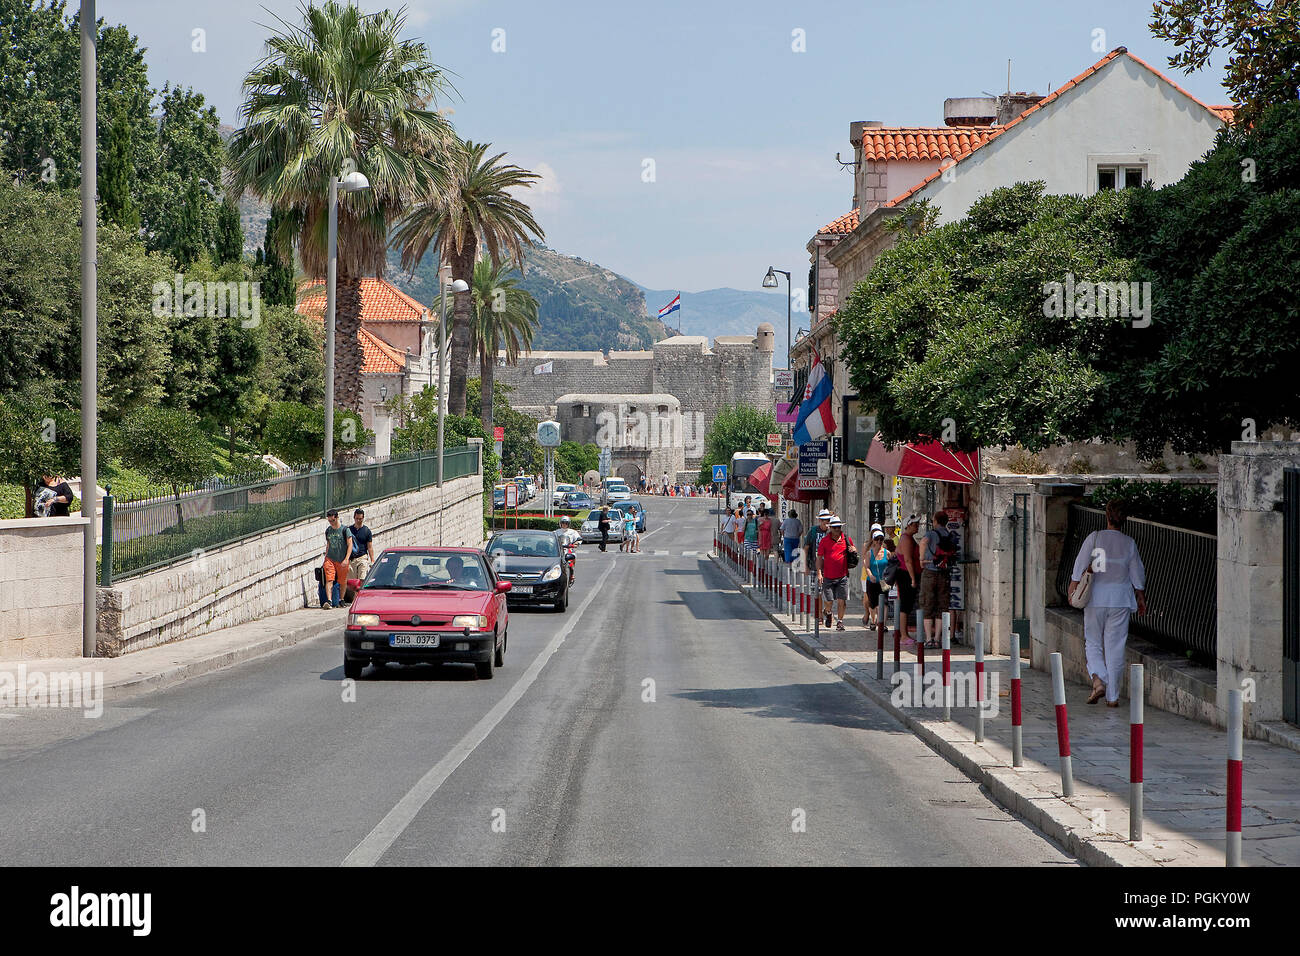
(577, 500)
(557, 496)
(428, 605)
(499, 496)
(533, 564)
(640, 512)
(590, 529)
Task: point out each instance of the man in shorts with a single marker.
(833, 570)
(937, 553)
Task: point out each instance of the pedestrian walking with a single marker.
(603, 524)
(1116, 588)
(833, 561)
(729, 524)
(629, 543)
(909, 572)
(739, 528)
(363, 547)
(751, 532)
(810, 543)
(791, 532)
(939, 551)
(333, 572)
(764, 532)
(873, 576)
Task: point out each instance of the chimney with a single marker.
(970, 111)
(856, 129)
(1011, 105)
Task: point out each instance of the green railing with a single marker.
(154, 532)
(1181, 582)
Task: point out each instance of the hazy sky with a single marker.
(742, 129)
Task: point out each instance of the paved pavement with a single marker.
(662, 720)
(1184, 764)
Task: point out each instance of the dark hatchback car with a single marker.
(578, 500)
(533, 564)
(428, 605)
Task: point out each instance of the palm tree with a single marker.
(338, 92)
(477, 209)
(502, 315)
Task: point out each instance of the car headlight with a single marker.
(364, 620)
(475, 622)
(552, 574)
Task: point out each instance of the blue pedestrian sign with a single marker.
(719, 472)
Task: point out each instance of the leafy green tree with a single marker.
(294, 366)
(1262, 37)
(735, 428)
(39, 437)
(228, 245)
(296, 433)
(573, 460)
(341, 90)
(167, 446)
(477, 208)
(520, 451)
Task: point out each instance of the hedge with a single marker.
(1194, 507)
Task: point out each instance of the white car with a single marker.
(617, 493)
(590, 529)
(560, 491)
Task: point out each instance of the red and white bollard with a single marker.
(1135, 692)
(1062, 726)
(880, 638)
(947, 670)
(1233, 848)
(979, 682)
(1017, 737)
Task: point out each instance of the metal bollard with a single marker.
(817, 617)
(803, 600)
(1017, 736)
(880, 639)
(1062, 726)
(1233, 849)
(979, 682)
(1135, 694)
(947, 671)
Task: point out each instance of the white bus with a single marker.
(743, 464)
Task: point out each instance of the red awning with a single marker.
(761, 478)
(929, 459)
(793, 493)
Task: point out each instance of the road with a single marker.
(661, 720)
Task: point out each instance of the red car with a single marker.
(428, 605)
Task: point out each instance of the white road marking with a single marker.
(369, 851)
(656, 530)
(661, 553)
(690, 554)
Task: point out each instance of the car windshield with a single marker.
(434, 569)
(536, 545)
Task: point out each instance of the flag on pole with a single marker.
(815, 417)
(671, 307)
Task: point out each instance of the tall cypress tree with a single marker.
(229, 245)
(277, 280)
(116, 165)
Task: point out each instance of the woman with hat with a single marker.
(873, 582)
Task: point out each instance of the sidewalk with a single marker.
(1185, 762)
(168, 664)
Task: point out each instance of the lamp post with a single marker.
(769, 282)
(446, 283)
(89, 325)
(351, 183)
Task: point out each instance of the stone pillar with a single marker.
(383, 429)
(992, 536)
(1049, 519)
(1250, 577)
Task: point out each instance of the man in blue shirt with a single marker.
(363, 548)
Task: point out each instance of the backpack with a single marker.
(945, 550)
(891, 569)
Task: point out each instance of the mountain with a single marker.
(727, 312)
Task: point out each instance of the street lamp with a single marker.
(353, 182)
(769, 282)
(445, 282)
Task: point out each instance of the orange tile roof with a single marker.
(922, 142)
(1227, 111)
(1051, 97)
(841, 226)
(381, 301)
(380, 357)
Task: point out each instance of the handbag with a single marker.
(850, 557)
(1079, 599)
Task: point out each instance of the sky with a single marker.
(687, 145)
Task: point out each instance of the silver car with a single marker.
(590, 529)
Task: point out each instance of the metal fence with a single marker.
(1181, 583)
(153, 532)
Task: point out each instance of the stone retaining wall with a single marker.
(41, 587)
(271, 573)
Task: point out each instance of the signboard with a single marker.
(783, 377)
(837, 448)
(774, 439)
(876, 512)
(719, 472)
(499, 433)
(512, 495)
(898, 501)
(957, 577)
(809, 454)
(812, 484)
(859, 430)
(786, 414)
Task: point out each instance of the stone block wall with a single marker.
(271, 573)
(41, 587)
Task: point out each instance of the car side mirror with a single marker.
(504, 586)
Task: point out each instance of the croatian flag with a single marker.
(815, 418)
(671, 307)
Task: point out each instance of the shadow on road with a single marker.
(432, 673)
(806, 703)
(705, 606)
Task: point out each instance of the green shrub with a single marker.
(1194, 507)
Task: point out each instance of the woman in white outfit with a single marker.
(1118, 583)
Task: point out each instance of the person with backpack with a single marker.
(836, 555)
(908, 577)
(938, 554)
(873, 576)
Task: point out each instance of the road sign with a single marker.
(719, 472)
(773, 439)
(499, 433)
(809, 454)
(512, 495)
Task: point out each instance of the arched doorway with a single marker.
(631, 474)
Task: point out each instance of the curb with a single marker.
(1060, 821)
(138, 684)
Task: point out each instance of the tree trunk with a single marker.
(348, 357)
(180, 515)
(461, 334)
(487, 368)
(232, 448)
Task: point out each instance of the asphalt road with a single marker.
(661, 720)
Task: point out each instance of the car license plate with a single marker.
(413, 640)
(522, 589)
